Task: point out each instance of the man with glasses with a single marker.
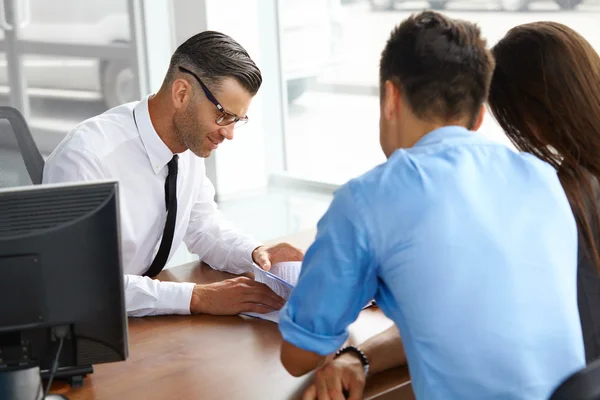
(155, 148)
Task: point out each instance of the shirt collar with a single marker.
(443, 134)
(157, 151)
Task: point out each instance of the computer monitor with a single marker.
(61, 281)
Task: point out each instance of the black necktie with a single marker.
(167, 238)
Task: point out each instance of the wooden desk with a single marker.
(210, 357)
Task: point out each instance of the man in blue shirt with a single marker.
(469, 247)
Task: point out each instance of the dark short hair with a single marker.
(215, 56)
(441, 65)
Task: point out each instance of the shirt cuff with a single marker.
(307, 340)
(243, 255)
(174, 298)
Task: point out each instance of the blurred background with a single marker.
(314, 124)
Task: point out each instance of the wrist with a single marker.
(196, 300)
(355, 356)
(350, 360)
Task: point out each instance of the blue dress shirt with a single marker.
(471, 248)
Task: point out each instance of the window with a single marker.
(330, 58)
(64, 61)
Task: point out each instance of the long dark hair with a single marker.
(545, 93)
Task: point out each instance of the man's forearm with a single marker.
(299, 362)
(384, 351)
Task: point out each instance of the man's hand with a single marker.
(265, 256)
(234, 296)
(344, 374)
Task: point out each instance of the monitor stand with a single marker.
(73, 375)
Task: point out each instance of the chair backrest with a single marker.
(582, 385)
(20, 160)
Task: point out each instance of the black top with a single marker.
(588, 298)
(588, 294)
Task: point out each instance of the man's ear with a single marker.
(180, 93)
(480, 117)
(391, 100)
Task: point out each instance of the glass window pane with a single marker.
(61, 48)
(330, 59)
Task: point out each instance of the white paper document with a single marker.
(281, 279)
(288, 271)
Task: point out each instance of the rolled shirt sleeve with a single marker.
(338, 277)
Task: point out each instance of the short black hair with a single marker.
(441, 65)
(214, 56)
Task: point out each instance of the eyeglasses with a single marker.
(226, 117)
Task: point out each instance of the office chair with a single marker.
(582, 385)
(20, 160)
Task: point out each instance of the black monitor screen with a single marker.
(60, 266)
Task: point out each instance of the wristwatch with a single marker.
(357, 352)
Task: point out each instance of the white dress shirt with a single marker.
(110, 146)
